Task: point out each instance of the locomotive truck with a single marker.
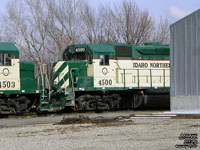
(105, 76)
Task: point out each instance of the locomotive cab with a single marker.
(9, 67)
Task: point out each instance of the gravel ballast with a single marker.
(138, 134)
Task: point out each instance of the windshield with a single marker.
(76, 56)
(5, 59)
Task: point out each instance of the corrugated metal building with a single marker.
(185, 63)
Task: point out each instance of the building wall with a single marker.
(185, 63)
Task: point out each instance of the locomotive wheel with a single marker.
(76, 107)
(91, 102)
(112, 101)
(13, 110)
(82, 103)
(138, 100)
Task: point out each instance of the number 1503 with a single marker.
(7, 84)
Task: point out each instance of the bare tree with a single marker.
(43, 29)
(93, 24)
(63, 24)
(161, 32)
(129, 23)
(26, 27)
(124, 23)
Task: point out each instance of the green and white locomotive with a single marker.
(89, 77)
(18, 85)
(113, 75)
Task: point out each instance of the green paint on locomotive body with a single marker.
(27, 77)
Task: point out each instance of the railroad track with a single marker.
(138, 114)
(71, 112)
(92, 117)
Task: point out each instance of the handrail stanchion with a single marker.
(151, 79)
(138, 78)
(124, 78)
(164, 76)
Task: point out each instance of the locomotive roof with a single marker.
(7, 47)
(106, 47)
(148, 50)
(101, 48)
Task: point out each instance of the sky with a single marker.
(3, 5)
(172, 9)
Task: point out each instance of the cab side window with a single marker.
(89, 58)
(5, 59)
(104, 59)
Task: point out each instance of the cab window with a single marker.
(89, 58)
(76, 56)
(104, 59)
(5, 59)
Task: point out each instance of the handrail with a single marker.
(42, 77)
(72, 79)
(124, 77)
(138, 73)
(151, 76)
(164, 76)
(48, 83)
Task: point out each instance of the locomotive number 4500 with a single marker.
(7, 84)
(105, 82)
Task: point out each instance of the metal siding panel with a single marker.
(188, 56)
(184, 60)
(193, 59)
(189, 73)
(198, 49)
(175, 46)
(197, 56)
(177, 59)
(172, 72)
(181, 58)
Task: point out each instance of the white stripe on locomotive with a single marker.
(65, 84)
(61, 76)
(58, 65)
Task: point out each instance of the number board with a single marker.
(9, 85)
(80, 49)
(105, 82)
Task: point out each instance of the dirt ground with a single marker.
(137, 134)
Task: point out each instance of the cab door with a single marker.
(104, 71)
